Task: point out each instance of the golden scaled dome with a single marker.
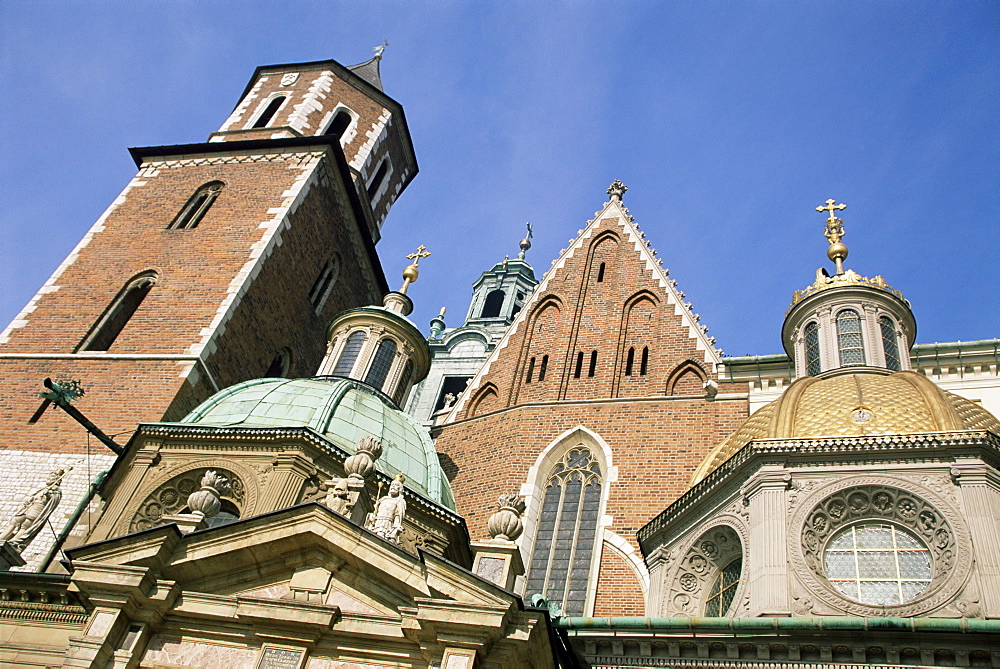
(854, 405)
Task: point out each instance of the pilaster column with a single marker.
(979, 488)
(285, 483)
(767, 565)
(147, 456)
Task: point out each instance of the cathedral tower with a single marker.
(219, 262)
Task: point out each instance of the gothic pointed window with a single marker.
(272, 108)
(196, 207)
(644, 365)
(849, 338)
(579, 365)
(324, 282)
(381, 363)
(349, 355)
(531, 369)
(630, 361)
(493, 304)
(600, 273)
(812, 349)
(543, 367)
(114, 319)
(890, 343)
(593, 364)
(567, 531)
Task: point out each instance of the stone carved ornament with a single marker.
(697, 570)
(342, 494)
(505, 524)
(35, 509)
(172, 496)
(897, 501)
(387, 519)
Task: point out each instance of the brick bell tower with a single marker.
(219, 262)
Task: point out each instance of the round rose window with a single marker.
(878, 563)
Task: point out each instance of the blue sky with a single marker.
(730, 122)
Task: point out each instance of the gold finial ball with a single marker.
(411, 273)
(838, 250)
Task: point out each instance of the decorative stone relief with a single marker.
(895, 501)
(697, 570)
(172, 496)
(207, 500)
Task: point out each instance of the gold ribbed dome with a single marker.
(854, 405)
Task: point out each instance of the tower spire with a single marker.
(834, 233)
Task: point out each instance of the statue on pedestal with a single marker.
(387, 519)
(34, 511)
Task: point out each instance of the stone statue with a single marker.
(338, 496)
(387, 519)
(34, 511)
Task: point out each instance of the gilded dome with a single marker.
(854, 405)
(342, 411)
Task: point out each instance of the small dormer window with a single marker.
(272, 108)
(812, 349)
(890, 343)
(849, 339)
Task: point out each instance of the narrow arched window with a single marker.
(272, 108)
(812, 349)
(493, 304)
(629, 361)
(349, 355)
(600, 273)
(404, 383)
(119, 312)
(644, 365)
(849, 341)
(339, 124)
(579, 365)
(567, 531)
(543, 367)
(890, 343)
(593, 363)
(381, 363)
(531, 369)
(279, 365)
(324, 282)
(196, 207)
(376, 181)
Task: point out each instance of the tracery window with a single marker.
(720, 597)
(196, 207)
(812, 349)
(878, 563)
(381, 363)
(890, 344)
(849, 338)
(348, 356)
(567, 531)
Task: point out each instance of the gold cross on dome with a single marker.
(422, 252)
(831, 207)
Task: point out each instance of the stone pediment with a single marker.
(303, 578)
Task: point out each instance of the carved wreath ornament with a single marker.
(947, 542)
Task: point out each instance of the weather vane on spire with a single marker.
(411, 272)
(834, 233)
(379, 49)
(525, 243)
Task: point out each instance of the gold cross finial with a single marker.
(411, 272)
(834, 233)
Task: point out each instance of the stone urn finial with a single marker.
(360, 465)
(206, 500)
(505, 524)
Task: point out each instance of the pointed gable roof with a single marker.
(369, 71)
(615, 217)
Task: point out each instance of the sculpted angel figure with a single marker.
(387, 518)
(34, 511)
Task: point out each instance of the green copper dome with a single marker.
(342, 411)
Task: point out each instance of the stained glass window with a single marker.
(567, 531)
(812, 349)
(350, 353)
(720, 597)
(889, 343)
(849, 338)
(878, 563)
(379, 370)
